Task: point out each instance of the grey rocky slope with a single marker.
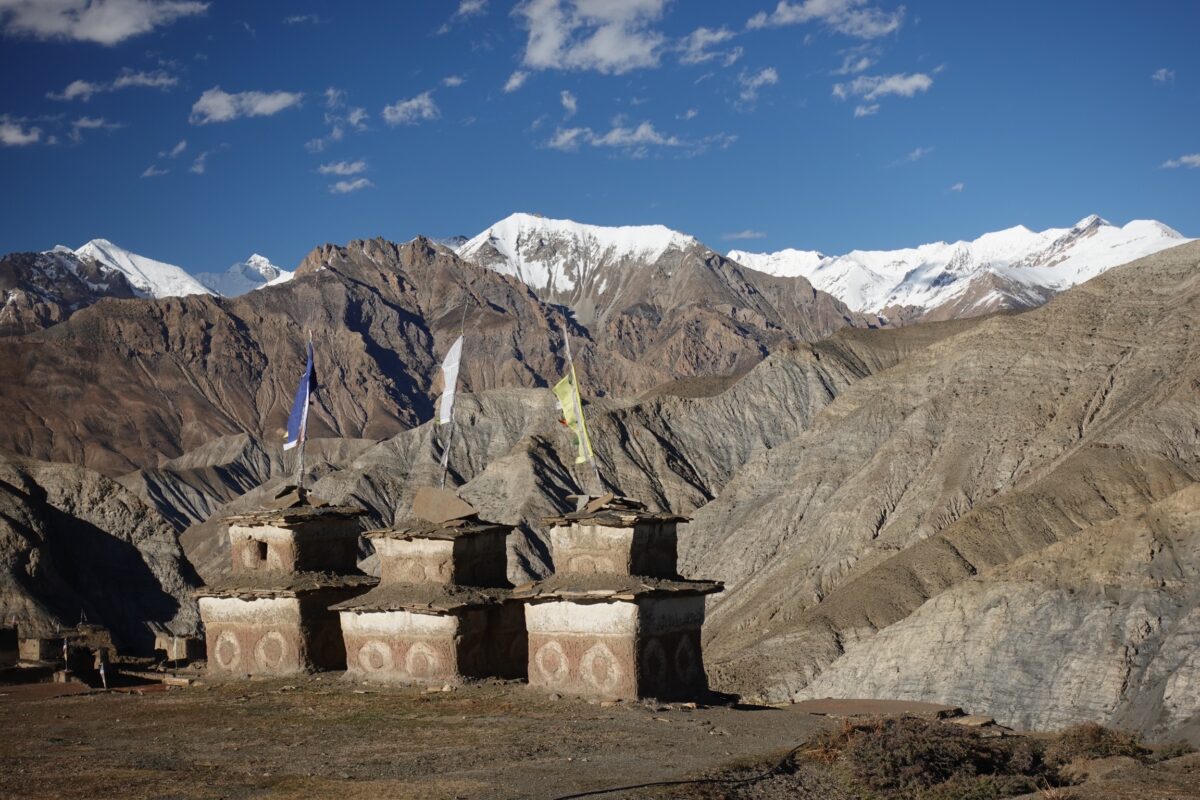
(38, 290)
(75, 544)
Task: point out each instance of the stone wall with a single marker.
(332, 547)
(587, 549)
(405, 647)
(586, 649)
(670, 660)
(478, 560)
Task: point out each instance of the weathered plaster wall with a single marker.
(648, 549)
(254, 637)
(330, 546)
(583, 648)
(402, 647)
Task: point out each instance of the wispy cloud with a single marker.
(1163, 75)
(216, 105)
(849, 17)
(15, 133)
(412, 111)
(866, 110)
(608, 37)
(1190, 160)
(870, 88)
(91, 124)
(913, 156)
(175, 151)
(200, 164)
(633, 141)
(515, 81)
(303, 19)
(751, 82)
(466, 9)
(106, 22)
(338, 120)
(343, 168)
(453, 81)
(698, 47)
(957, 187)
(84, 90)
(153, 171)
(569, 103)
(691, 113)
(746, 234)
(346, 187)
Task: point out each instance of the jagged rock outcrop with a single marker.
(38, 290)
(73, 543)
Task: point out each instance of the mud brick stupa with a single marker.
(616, 620)
(443, 610)
(290, 564)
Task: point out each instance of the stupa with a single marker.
(443, 611)
(291, 562)
(616, 620)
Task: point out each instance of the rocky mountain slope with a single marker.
(73, 543)
(120, 385)
(43, 289)
(1010, 269)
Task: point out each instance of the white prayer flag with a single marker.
(450, 381)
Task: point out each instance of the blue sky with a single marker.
(199, 132)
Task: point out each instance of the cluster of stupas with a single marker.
(615, 620)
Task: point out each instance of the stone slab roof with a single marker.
(286, 517)
(452, 529)
(612, 511)
(282, 584)
(608, 587)
(426, 598)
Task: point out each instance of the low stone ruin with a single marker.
(443, 610)
(290, 564)
(616, 620)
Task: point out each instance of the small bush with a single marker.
(1089, 740)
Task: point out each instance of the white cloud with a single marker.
(515, 81)
(691, 113)
(92, 124)
(915, 155)
(343, 168)
(874, 87)
(357, 117)
(200, 164)
(346, 187)
(466, 10)
(175, 151)
(299, 19)
(696, 47)
(334, 97)
(153, 171)
(453, 80)
(14, 133)
(957, 187)
(102, 21)
(746, 234)
(608, 36)
(752, 82)
(633, 142)
(848, 17)
(569, 103)
(216, 105)
(1191, 160)
(83, 90)
(1163, 75)
(412, 111)
(854, 62)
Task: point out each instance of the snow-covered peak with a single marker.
(1034, 264)
(554, 254)
(149, 277)
(255, 272)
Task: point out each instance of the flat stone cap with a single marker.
(288, 517)
(282, 584)
(613, 511)
(451, 529)
(424, 598)
(607, 587)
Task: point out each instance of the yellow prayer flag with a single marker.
(569, 403)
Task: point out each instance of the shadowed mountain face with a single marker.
(73, 543)
(38, 290)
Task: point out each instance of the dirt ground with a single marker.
(320, 736)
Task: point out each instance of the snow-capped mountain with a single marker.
(149, 277)
(1009, 269)
(245, 276)
(558, 256)
(43, 289)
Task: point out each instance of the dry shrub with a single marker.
(1090, 740)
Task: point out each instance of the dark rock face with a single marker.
(73, 543)
(38, 290)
